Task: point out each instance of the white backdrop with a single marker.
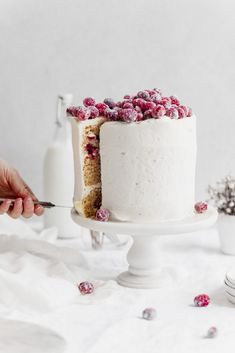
(109, 48)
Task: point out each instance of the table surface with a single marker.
(41, 309)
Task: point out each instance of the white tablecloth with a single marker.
(41, 309)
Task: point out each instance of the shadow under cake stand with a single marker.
(144, 269)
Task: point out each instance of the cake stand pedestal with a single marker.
(144, 270)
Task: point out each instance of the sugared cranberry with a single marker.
(156, 98)
(202, 300)
(190, 112)
(212, 332)
(201, 207)
(139, 102)
(185, 108)
(88, 101)
(181, 113)
(159, 111)
(110, 102)
(127, 96)
(138, 109)
(102, 215)
(94, 112)
(129, 115)
(72, 111)
(174, 100)
(149, 105)
(157, 90)
(127, 105)
(166, 102)
(172, 113)
(111, 114)
(148, 114)
(143, 94)
(86, 287)
(140, 116)
(149, 314)
(119, 104)
(80, 113)
(151, 92)
(101, 107)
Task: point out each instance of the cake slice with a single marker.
(87, 176)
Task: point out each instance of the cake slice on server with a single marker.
(87, 176)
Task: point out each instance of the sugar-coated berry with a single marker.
(139, 102)
(181, 113)
(190, 112)
(212, 332)
(159, 111)
(86, 287)
(88, 101)
(151, 92)
(80, 113)
(166, 102)
(127, 105)
(148, 114)
(71, 111)
(111, 114)
(94, 112)
(129, 115)
(156, 98)
(138, 109)
(149, 314)
(158, 90)
(102, 215)
(140, 116)
(101, 107)
(110, 102)
(200, 207)
(172, 113)
(149, 105)
(185, 108)
(127, 96)
(202, 300)
(143, 94)
(119, 104)
(174, 100)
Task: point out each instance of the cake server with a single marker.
(45, 204)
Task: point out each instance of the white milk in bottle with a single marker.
(58, 175)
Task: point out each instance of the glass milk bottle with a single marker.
(58, 176)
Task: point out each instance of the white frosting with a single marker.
(148, 169)
(80, 190)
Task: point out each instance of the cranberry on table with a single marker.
(86, 287)
(149, 314)
(212, 332)
(202, 300)
(200, 207)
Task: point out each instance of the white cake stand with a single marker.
(144, 269)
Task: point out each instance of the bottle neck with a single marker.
(63, 128)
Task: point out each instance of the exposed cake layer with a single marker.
(148, 169)
(87, 179)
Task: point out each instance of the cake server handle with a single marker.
(45, 204)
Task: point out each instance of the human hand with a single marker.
(12, 186)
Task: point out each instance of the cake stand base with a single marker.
(145, 270)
